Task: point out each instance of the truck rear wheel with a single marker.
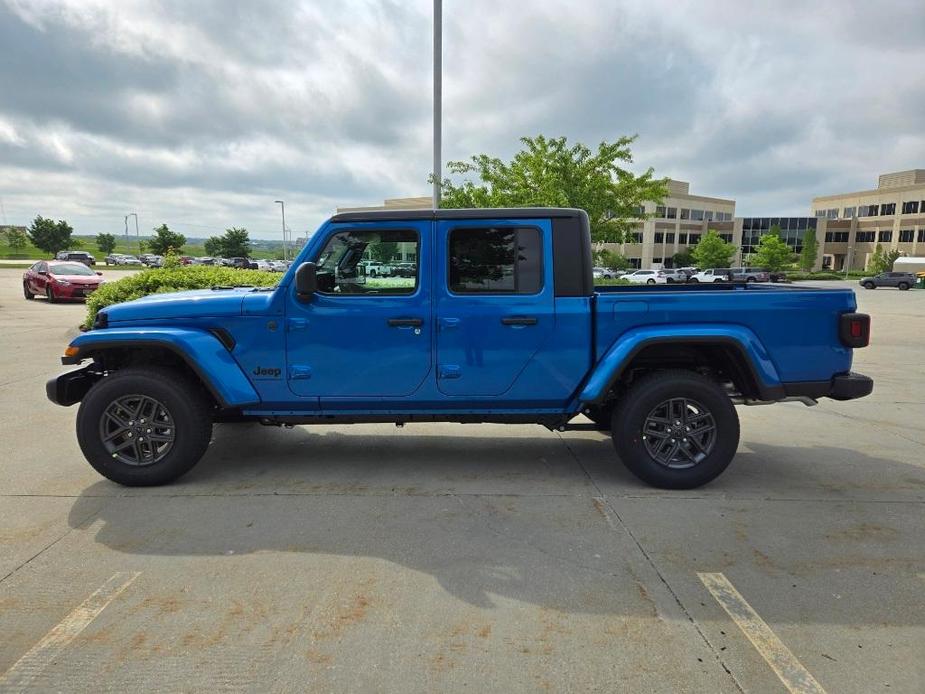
(141, 427)
(675, 429)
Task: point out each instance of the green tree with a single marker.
(772, 253)
(236, 243)
(712, 251)
(683, 258)
(383, 252)
(881, 260)
(774, 230)
(810, 251)
(164, 239)
(50, 236)
(610, 259)
(16, 239)
(106, 243)
(550, 172)
(213, 246)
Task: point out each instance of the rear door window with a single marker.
(495, 260)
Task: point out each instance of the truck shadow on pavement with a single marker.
(516, 517)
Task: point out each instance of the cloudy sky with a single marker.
(201, 113)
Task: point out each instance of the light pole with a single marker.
(438, 96)
(282, 207)
(137, 236)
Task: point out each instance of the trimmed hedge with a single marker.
(793, 276)
(165, 280)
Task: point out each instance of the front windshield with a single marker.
(71, 269)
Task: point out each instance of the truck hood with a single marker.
(189, 304)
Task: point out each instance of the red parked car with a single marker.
(60, 280)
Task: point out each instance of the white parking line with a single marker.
(24, 670)
(790, 671)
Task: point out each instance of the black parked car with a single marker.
(900, 280)
(76, 257)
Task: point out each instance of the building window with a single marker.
(820, 213)
(639, 211)
(885, 236)
(659, 237)
(505, 260)
(685, 214)
(920, 236)
(708, 215)
(660, 211)
(693, 239)
(911, 207)
(635, 263)
(672, 213)
(726, 237)
(836, 237)
(697, 215)
(832, 213)
(864, 237)
(849, 212)
(669, 237)
(887, 208)
(868, 210)
(906, 235)
(682, 239)
(657, 260)
(634, 237)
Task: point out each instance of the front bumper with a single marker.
(846, 386)
(71, 387)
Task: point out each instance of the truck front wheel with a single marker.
(675, 429)
(141, 427)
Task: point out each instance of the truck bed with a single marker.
(797, 325)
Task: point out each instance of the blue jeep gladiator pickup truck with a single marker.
(495, 320)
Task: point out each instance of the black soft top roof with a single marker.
(470, 213)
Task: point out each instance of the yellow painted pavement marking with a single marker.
(27, 668)
(790, 671)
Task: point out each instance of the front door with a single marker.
(360, 336)
(494, 302)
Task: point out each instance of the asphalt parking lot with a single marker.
(468, 558)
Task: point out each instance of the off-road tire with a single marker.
(643, 398)
(188, 409)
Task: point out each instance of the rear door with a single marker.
(494, 301)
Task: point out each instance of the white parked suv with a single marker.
(646, 277)
(715, 274)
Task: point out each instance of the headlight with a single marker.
(63, 283)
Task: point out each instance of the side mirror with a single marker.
(43, 272)
(99, 273)
(306, 281)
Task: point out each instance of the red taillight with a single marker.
(854, 329)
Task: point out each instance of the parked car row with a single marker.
(76, 256)
(121, 259)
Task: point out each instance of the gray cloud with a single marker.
(208, 111)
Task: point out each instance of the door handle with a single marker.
(518, 320)
(406, 322)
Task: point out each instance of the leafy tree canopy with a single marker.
(164, 240)
(551, 172)
(16, 238)
(50, 236)
(106, 243)
(882, 261)
(610, 259)
(772, 253)
(683, 258)
(234, 243)
(810, 251)
(711, 251)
